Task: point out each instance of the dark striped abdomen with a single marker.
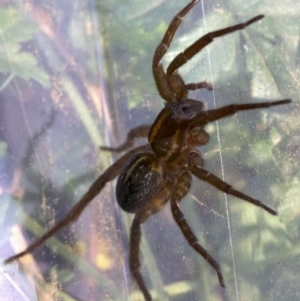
(139, 181)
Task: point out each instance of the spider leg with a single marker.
(192, 239)
(163, 83)
(162, 48)
(201, 85)
(138, 132)
(202, 118)
(196, 47)
(135, 234)
(74, 213)
(180, 191)
(134, 261)
(226, 188)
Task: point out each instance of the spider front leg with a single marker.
(172, 83)
(204, 117)
(110, 173)
(196, 47)
(141, 131)
(162, 48)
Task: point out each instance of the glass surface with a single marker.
(76, 75)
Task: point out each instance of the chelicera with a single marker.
(161, 171)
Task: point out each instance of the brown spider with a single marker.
(161, 171)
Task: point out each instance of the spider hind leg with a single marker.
(180, 191)
(110, 173)
(159, 200)
(192, 239)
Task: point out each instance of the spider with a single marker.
(161, 171)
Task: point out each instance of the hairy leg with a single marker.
(204, 117)
(168, 86)
(141, 131)
(181, 189)
(192, 239)
(110, 173)
(196, 47)
(226, 188)
(149, 209)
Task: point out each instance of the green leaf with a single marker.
(14, 30)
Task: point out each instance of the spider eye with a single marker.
(191, 107)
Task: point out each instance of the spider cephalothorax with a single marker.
(162, 170)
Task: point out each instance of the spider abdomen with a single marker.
(138, 182)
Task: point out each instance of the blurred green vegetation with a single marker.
(16, 29)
